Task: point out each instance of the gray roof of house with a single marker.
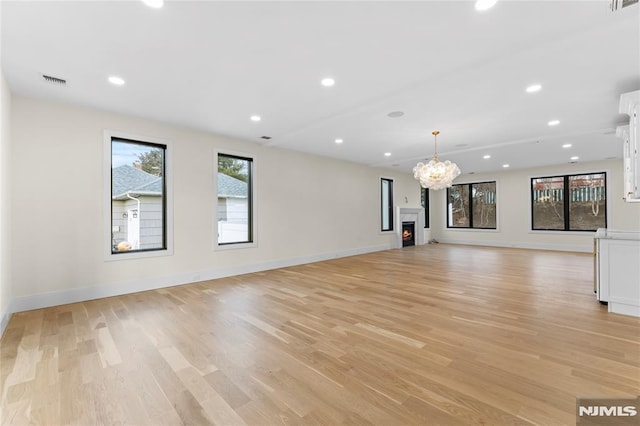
(129, 179)
(231, 187)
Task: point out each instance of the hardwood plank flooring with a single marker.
(436, 334)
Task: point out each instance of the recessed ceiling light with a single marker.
(505, 166)
(339, 141)
(574, 158)
(328, 82)
(534, 88)
(255, 118)
(118, 81)
(553, 122)
(156, 4)
(395, 114)
(486, 157)
(567, 145)
(485, 4)
(387, 154)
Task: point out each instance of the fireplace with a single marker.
(408, 234)
(413, 215)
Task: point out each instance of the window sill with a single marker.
(471, 230)
(584, 233)
(234, 246)
(110, 257)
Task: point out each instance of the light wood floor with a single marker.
(427, 335)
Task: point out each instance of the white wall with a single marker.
(333, 206)
(514, 210)
(5, 202)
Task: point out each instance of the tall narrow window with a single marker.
(386, 199)
(569, 203)
(472, 205)
(138, 196)
(235, 212)
(424, 198)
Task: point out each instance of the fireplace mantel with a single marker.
(410, 214)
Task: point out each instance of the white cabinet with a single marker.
(630, 105)
(618, 270)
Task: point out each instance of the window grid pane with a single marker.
(548, 203)
(138, 202)
(424, 199)
(484, 205)
(458, 214)
(386, 204)
(587, 206)
(234, 200)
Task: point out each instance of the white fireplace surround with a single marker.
(410, 214)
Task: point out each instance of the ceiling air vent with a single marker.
(54, 80)
(265, 137)
(619, 4)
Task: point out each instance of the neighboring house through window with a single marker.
(234, 206)
(138, 201)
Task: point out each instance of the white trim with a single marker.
(254, 202)
(168, 178)
(43, 300)
(623, 308)
(4, 320)
(522, 245)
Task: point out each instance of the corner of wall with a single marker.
(5, 204)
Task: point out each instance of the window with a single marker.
(472, 205)
(235, 200)
(424, 199)
(138, 196)
(569, 203)
(386, 204)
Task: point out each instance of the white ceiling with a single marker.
(210, 65)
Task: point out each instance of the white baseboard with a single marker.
(511, 244)
(4, 320)
(63, 297)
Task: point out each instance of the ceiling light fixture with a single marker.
(553, 122)
(255, 118)
(155, 4)
(118, 81)
(339, 141)
(328, 82)
(574, 158)
(482, 5)
(567, 145)
(387, 154)
(534, 88)
(486, 157)
(436, 174)
(506, 166)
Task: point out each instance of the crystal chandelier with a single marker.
(436, 174)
